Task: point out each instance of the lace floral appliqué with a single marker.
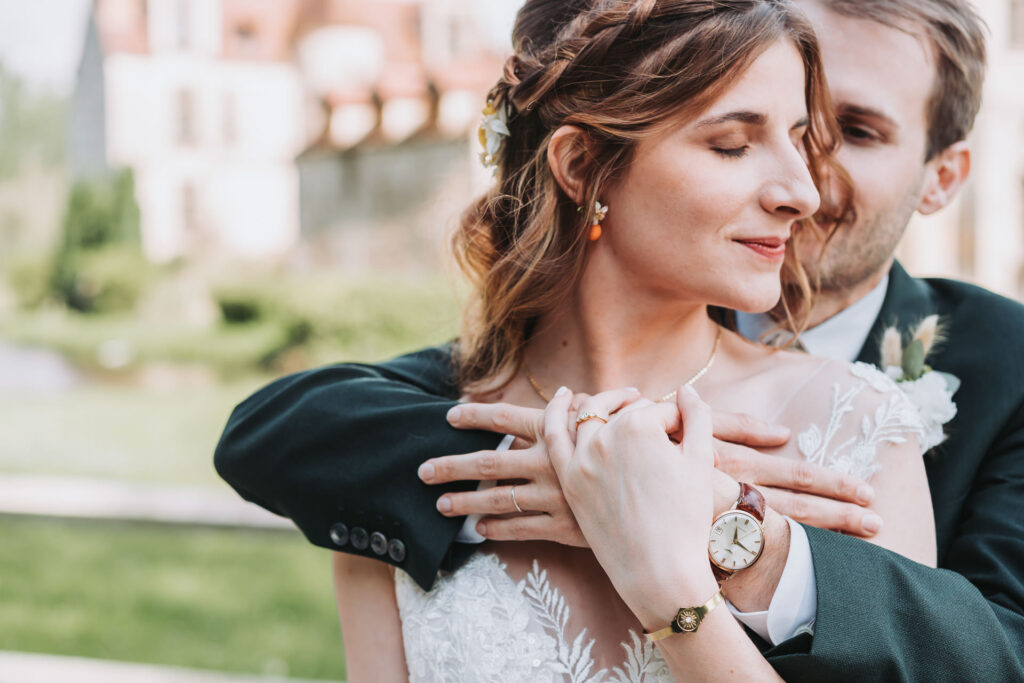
(479, 625)
(854, 452)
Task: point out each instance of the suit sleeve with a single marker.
(336, 450)
(884, 617)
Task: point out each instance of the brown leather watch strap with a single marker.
(751, 501)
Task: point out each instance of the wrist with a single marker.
(751, 590)
(659, 607)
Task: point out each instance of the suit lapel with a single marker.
(907, 301)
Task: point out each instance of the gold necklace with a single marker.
(667, 397)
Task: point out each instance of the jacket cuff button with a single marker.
(339, 534)
(378, 543)
(396, 550)
(360, 539)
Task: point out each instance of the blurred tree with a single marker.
(33, 126)
(99, 265)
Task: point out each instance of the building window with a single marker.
(247, 38)
(229, 119)
(189, 209)
(184, 19)
(1017, 23)
(186, 112)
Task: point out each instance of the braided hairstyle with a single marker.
(621, 70)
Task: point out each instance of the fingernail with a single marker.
(481, 528)
(690, 390)
(454, 414)
(780, 431)
(444, 504)
(561, 390)
(872, 523)
(633, 389)
(426, 471)
(865, 494)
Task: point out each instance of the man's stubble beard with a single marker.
(858, 250)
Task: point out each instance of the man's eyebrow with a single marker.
(867, 113)
(750, 117)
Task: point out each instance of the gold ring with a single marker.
(589, 415)
(513, 490)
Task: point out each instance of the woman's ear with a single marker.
(568, 157)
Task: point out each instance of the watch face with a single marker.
(736, 541)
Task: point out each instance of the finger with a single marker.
(481, 465)
(604, 405)
(748, 430)
(503, 418)
(823, 512)
(496, 500)
(697, 427)
(531, 528)
(797, 475)
(556, 430)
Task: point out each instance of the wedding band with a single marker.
(589, 415)
(513, 490)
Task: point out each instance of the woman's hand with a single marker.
(644, 503)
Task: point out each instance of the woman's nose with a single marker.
(791, 194)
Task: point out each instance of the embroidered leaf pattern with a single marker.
(891, 421)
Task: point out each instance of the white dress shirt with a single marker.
(795, 603)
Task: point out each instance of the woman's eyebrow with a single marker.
(750, 117)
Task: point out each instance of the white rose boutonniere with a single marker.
(929, 390)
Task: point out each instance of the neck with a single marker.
(828, 303)
(609, 336)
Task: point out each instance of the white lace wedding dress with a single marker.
(480, 624)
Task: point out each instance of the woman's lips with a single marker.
(768, 247)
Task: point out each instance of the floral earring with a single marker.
(600, 211)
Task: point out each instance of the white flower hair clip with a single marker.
(493, 131)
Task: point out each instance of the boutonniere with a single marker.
(929, 390)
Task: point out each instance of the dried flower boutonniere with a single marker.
(929, 390)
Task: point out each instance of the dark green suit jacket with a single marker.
(336, 450)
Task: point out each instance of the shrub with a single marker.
(107, 280)
(29, 276)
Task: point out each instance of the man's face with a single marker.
(880, 79)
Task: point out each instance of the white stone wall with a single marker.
(248, 123)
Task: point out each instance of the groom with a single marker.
(321, 447)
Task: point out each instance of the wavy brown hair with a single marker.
(621, 70)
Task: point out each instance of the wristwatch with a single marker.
(687, 618)
(737, 535)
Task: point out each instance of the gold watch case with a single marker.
(736, 540)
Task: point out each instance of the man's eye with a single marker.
(732, 152)
(858, 134)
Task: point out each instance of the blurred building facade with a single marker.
(980, 237)
(217, 104)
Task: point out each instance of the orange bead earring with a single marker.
(600, 211)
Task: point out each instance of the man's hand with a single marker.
(546, 517)
(808, 493)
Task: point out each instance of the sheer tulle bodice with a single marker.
(480, 624)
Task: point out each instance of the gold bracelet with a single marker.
(688, 618)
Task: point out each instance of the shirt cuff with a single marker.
(468, 534)
(795, 604)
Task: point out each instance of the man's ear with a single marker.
(946, 174)
(568, 158)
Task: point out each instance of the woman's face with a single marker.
(704, 210)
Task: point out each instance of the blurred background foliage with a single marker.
(117, 368)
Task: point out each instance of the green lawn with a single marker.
(153, 434)
(259, 602)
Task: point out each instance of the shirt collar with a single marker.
(841, 337)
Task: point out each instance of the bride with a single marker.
(655, 163)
